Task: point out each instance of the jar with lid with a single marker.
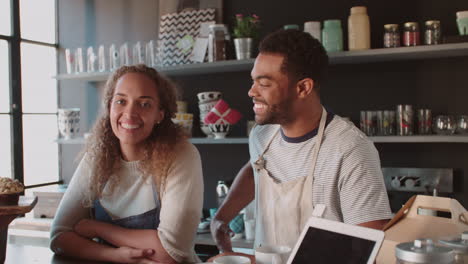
(432, 34)
(217, 42)
(391, 36)
(291, 26)
(358, 29)
(459, 244)
(423, 251)
(411, 34)
(222, 191)
(332, 35)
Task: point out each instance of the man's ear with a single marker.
(305, 87)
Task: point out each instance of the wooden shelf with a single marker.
(376, 139)
(343, 57)
(420, 139)
(227, 140)
(78, 140)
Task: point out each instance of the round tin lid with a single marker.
(424, 251)
(459, 244)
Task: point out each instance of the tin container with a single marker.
(424, 121)
(388, 123)
(423, 251)
(459, 244)
(391, 36)
(369, 122)
(404, 120)
(432, 34)
(411, 34)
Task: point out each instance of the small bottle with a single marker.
(222, 191)
(332, 35)
(358, 29)
(290, 26)
(391, 36)
(432, 34)
(411, 34)
(313, 28)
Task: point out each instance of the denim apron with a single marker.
(146, 220)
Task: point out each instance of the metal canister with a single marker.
(217, 41)
(405, 120)
(388, 122)
(432, 34)
(423, 251)
(391, 36)
(459, 244)
(411, 34)
(368, 122)
(424, 121)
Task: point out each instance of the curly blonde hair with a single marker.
(102, 149)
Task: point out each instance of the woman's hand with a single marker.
(135, 255)
(86, 228)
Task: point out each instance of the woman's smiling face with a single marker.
(134, 109)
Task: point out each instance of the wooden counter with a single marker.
(206, 239)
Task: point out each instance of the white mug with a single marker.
(249, 229)
(272, 254)
(232, 260)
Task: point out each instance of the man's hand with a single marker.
(221, 234)
(135, 255)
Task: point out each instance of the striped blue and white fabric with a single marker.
(348, 177)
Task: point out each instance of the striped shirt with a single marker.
(347, 178)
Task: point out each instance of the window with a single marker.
(5, 119)
(5, 18)
(38, 20)
(28, 122)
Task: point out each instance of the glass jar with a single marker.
(411, 34)
(432, 34)
(222, 191)
(391, 36)
(332, 35)
(358, 29)
(217, 41)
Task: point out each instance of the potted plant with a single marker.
(245, 31)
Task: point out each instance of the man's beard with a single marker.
(278, 113)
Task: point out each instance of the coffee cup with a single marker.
(272, 254)
(232, 260)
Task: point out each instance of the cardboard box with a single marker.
(408, 225)
(48, 200)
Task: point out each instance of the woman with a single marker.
(139, 186)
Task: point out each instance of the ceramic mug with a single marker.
(272, 254)
(69, 122)
(232, 260)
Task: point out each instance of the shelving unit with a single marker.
(376, 139)
(336, 58)
(344, 57)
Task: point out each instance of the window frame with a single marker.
(16, 108)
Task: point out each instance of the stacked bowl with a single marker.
(182, 118)
(206, 101)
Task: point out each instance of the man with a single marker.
(300, 154)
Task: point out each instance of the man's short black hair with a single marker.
(304, 55)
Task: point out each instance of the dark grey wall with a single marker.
(438, 84)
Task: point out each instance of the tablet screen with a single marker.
(324, 247)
